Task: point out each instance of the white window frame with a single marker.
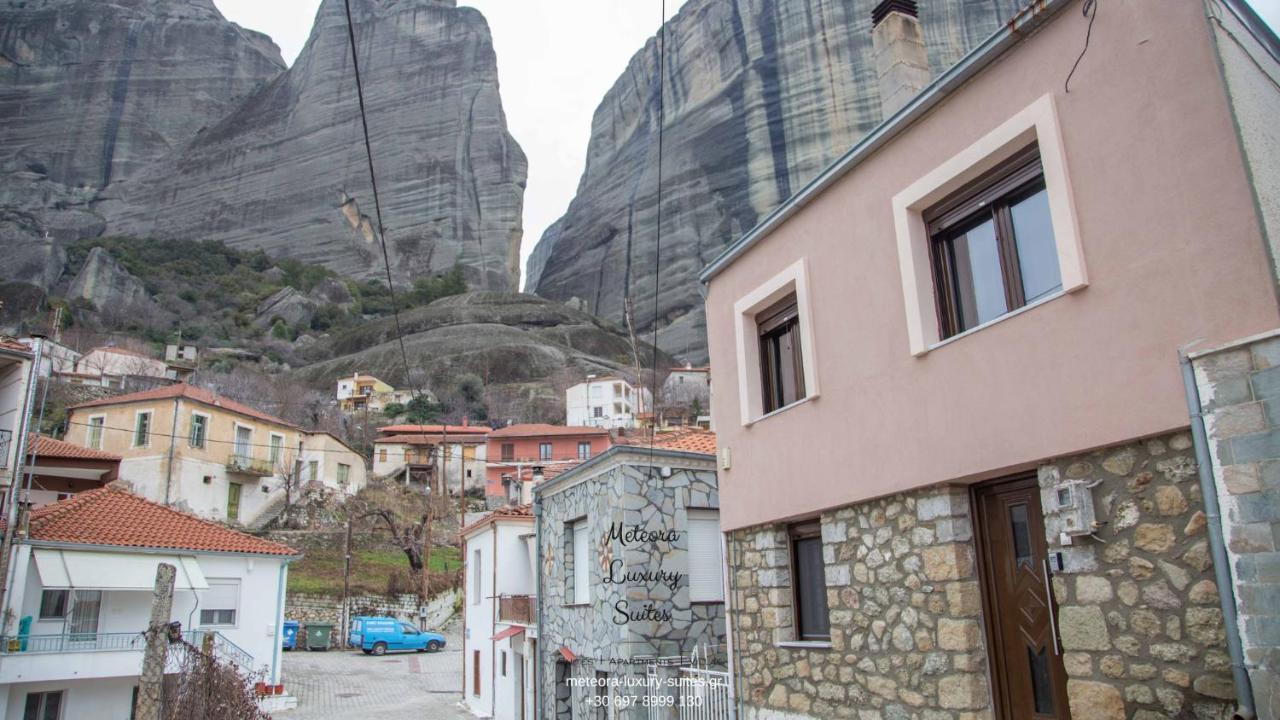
(133, 438)
(208, 421)
(275, 450)
(235, 433)
(581, 563)
(1035, 124)
(62, 701)
(793, 279)
(102, 431)
(706, 579)
(477, 576)
(222, 582)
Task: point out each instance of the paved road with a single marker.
(343, 685)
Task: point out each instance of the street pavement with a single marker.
(347, 684)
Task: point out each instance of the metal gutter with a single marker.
(1011, 33)
(1256, 26)
(90, 547)
(1217, 548)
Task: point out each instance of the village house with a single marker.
(56, 470)
(960, 474)
(413, 453)
(328, 461)
(16, 379)
(519, 453)
(193, 449)
(114, 367)
(630, 582)
(81, 599)
(500, 633)
(685, 398)
(359, 393)
(606, 402)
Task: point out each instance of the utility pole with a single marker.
(152, 682)
(346, 582)
(426, 554)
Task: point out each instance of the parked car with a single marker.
(378, 635)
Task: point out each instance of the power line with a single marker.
(657, 253)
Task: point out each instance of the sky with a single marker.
(556, 60)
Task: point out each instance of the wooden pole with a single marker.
(150, 694)
(344, 617)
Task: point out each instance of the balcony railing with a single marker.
(518, 609)
(246, 465)
(118, 641)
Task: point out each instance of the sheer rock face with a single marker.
(760, 95)
(107, 284)
(92, 91)
(286, 171)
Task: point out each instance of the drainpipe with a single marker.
(730, 665)
(1221, 568)
(173, 435)
(537, 656)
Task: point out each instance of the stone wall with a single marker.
(1240, 396)
(905, 606)
(328, 608)
(1138, 613)
(633, 493)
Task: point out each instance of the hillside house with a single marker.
(72, 643)
(327, 460)
(57, 469)
(606, 402)
(517, 453)
(116, 367)
(427, 453)
(1011, 494)
(359, 393)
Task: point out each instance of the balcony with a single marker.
(245, 465)
(48, 658)
(517, 609)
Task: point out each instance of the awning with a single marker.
(568, 654)
(84, 570)
(509, 632)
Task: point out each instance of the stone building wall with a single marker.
(632, 494)
(1140, 624)
(905, 607)
(328, 608)
(1240, 397)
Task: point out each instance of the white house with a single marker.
(81, 598)
(412, 453)
(15, 376)
(500, 633)
(112, 366)
(327, 460)
(607, 402)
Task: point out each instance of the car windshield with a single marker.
(409, 629)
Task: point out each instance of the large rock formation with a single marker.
(760, 95)
(105, 283)
(90, 92)
(287, 172)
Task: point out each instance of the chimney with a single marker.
(901, 60)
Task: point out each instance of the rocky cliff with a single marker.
(759, 96)
(286, 171)
(92, 91)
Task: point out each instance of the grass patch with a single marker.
(320, 570)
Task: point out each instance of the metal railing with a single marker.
(704, 695)
(209, 641)
(518, 609)
(246, 465)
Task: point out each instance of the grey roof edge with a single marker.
(609, 456)
(1256, 26)
(1013, 31)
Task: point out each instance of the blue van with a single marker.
(377, 635)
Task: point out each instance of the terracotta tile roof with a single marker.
(188, 392)
(543, 429)
(13, 346)
(121, 351)
(47, 447)
(516, 512)
(687, 439)
(112, 516)
(434, 429)
(426, 439)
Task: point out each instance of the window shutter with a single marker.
(221, 595)
(581, 570)
(705, 582)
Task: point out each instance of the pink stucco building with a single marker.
(959, 346)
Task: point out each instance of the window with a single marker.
(277, 449)
(142, 429)
(220, 603)
(581, 570)
(382, 454)
(992, 245)
(96, 424)
(705, 581)
(313, 470)
(244, 441)
(344, 472)
(781, 363)
(53, 604)
(597, 411)
(503, 657)
(475, 673)
(476, 577)
(199, 430)
(809, 582)
(508, 452)
(544, 451)
(43, 706)
(584, 451)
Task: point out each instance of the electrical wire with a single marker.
(1089, 5)
(657, 252)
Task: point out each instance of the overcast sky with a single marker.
(556, 60)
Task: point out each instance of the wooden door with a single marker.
(233, 501)
(1026, 656)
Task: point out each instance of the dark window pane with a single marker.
(979, 282)
(811, 590)
(1037, 251)
(782, 366)
(1021, 534)
(1040, 689)
(52, 705)
(32, 709)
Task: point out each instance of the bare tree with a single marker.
(406, 516)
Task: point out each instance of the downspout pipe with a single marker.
(1221, 567)
(538, 601)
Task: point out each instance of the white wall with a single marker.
(13, 388)
(478, 613)
(514, 577)
(90, 699)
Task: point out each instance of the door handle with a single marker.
(1048, 599)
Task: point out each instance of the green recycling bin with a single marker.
(318, 636)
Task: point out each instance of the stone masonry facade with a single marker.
(1239, 391)
(630, 491)
(1141, 629)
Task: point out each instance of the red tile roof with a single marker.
(47, 447)
(694, 440)
(14, 346)
(434, 429)
(544, 430)
(517, 512)
(116, 517)
(426, 439)
(188, 392)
